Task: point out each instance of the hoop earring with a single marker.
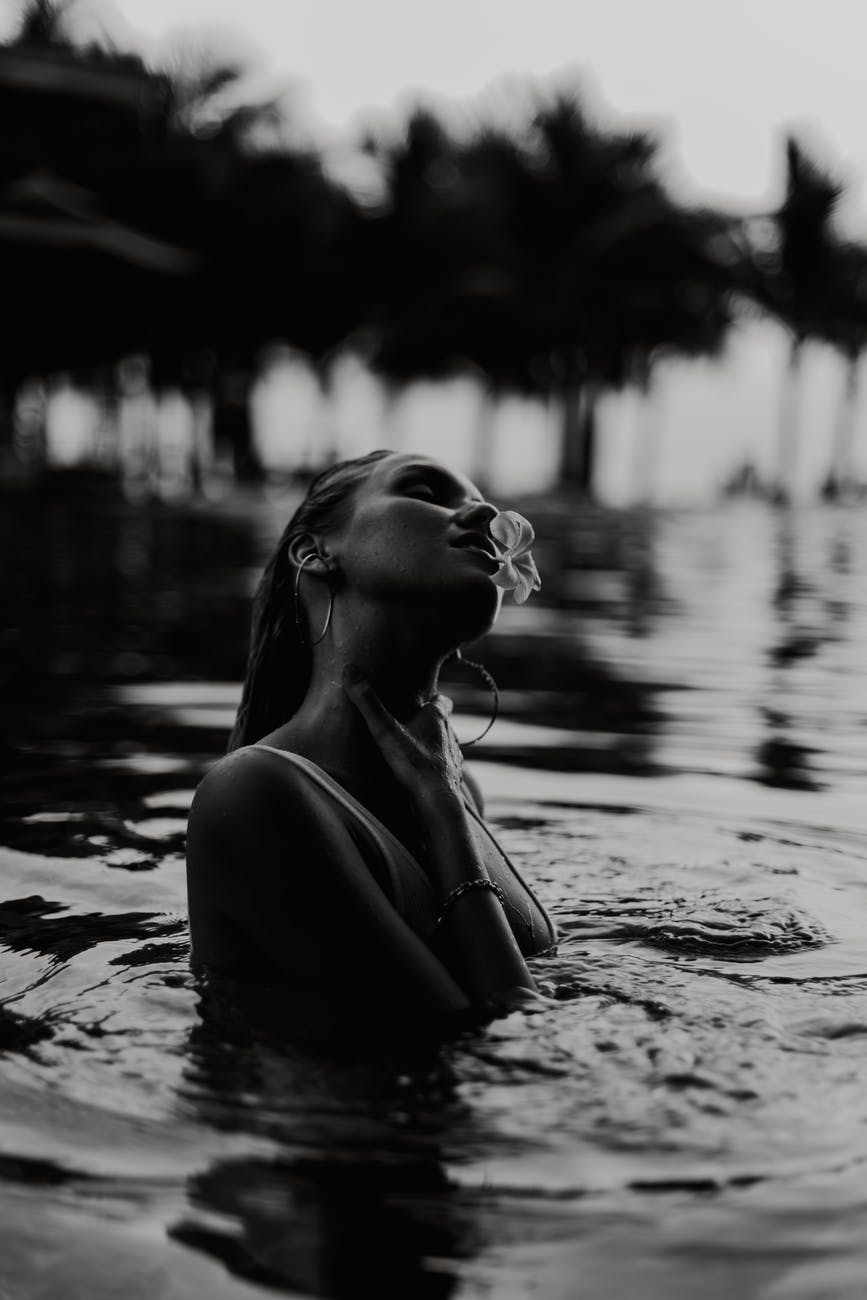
(311, 555)
(493, 688)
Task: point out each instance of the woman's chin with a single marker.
(478, 610)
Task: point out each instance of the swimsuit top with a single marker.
(407, 884)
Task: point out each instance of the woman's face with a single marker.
(419, 535)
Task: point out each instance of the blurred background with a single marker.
(610, 259)
(616, 251)
(610, 263)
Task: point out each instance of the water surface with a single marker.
(679, 771)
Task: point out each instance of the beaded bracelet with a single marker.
(464, 888)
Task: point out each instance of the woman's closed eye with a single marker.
(421, 492)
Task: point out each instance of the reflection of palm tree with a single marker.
(783, 760)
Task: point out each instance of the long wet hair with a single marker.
(279, 663)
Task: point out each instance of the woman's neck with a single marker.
(327, 727)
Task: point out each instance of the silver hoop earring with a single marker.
(311, 555)
(492, 687)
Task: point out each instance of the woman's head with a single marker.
(396, 531)
(278, 663)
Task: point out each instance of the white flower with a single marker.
(517, 573)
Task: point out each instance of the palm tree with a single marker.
(849, 330)
(43, 22)
(628, 273)
(799, 288)
(840, 480)
(450, 274)
(551, 263)
(159, 166)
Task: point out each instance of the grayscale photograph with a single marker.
(433, 570)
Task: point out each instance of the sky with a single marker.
(719, 82)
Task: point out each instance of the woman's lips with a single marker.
(481, 541)
(478, 549)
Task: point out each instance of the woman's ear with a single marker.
(304, 545)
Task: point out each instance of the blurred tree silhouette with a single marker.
(85, 275)
(42, 21)
(797, 286)
(547, 259)
(137, 195)
(631, 274)
(553, 263)
(849, 332)
(795, 266)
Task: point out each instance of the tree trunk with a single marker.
(10, 467)
(648, 438)
(6, 426)
(841, 478)
(233, 422)
(588, 440)
(788, 436)
(578, 447)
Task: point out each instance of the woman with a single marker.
(338, 847)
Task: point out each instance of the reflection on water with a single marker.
(680, 771)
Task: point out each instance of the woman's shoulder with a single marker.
(259, 766)
(244, 771)
(254, 787)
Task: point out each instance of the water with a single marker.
(679, 770)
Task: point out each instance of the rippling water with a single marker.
(680, 771)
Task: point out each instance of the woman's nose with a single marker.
(478, 513)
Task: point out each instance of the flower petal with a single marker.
(528, 564)
(527, 538)
(506, 576)
(517, 572)
(506, 528)
(524, 585)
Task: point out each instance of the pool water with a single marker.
(680, 773)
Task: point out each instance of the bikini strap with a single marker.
(415, 902)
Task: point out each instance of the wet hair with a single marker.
(279, 662)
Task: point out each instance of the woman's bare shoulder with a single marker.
(240, 767)
(253, 794)
(243, 775)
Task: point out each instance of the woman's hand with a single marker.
(423, 753)
(474, 940)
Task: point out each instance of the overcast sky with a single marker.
(719, 81)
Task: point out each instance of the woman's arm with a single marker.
(267, 856)
(473, 936)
